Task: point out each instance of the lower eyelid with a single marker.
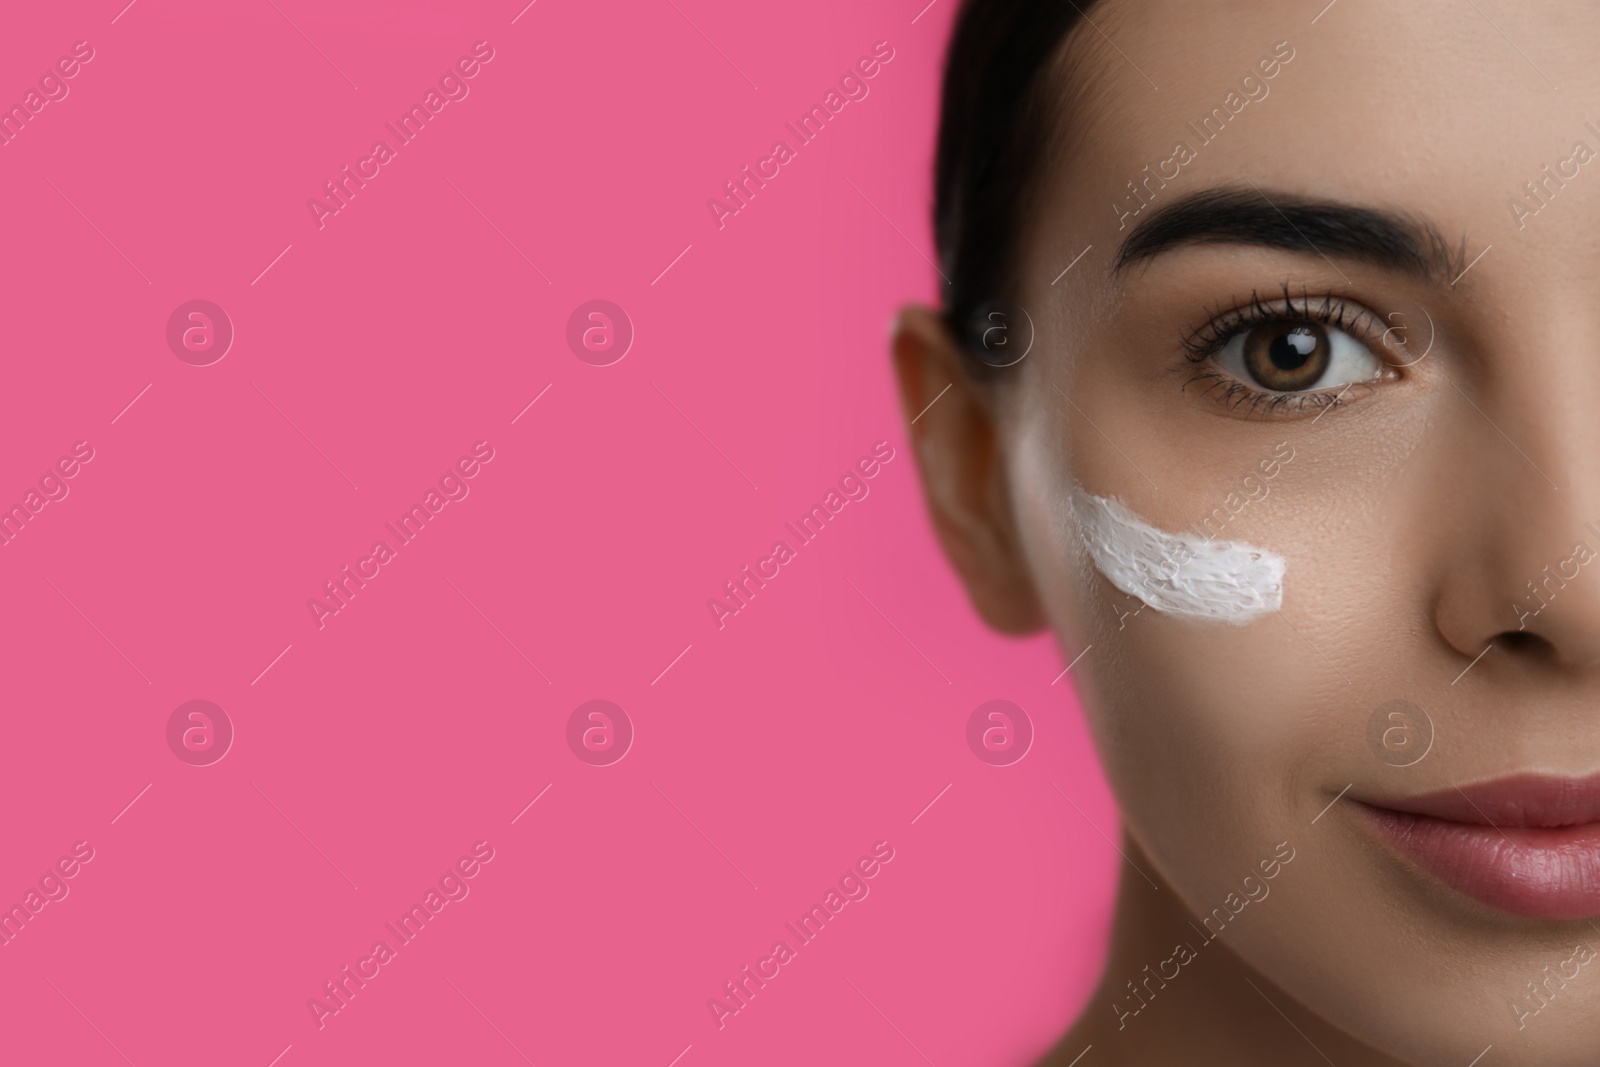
(1232, 395)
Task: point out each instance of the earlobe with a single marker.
(954, 433)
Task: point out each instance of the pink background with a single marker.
(819, 720)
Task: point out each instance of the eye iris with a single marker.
(1287, 356)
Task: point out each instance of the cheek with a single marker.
(1176, 706)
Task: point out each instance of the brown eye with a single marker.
(1272, 355)
(1287, 357)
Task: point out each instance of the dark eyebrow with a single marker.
(1383, 238)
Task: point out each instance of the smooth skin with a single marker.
(1413, 515)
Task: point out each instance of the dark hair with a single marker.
(994, 126)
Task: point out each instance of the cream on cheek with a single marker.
(1183, 575)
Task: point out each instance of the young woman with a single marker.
(1268, 378)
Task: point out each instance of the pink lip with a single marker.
(1527, 845)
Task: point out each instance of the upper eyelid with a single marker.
(1343, 313)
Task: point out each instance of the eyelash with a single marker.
(1200, 345)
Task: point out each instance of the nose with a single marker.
(1523, 573)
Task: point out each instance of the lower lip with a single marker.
(1537, 872)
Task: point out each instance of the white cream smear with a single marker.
(1179, 574)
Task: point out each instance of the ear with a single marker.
(963, 467)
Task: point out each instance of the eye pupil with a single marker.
(1287, 356)
(1290, 350)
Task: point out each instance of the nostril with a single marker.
(1523, 642)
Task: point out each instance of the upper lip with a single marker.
(1524, 801)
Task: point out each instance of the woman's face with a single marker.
(1414, 429)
